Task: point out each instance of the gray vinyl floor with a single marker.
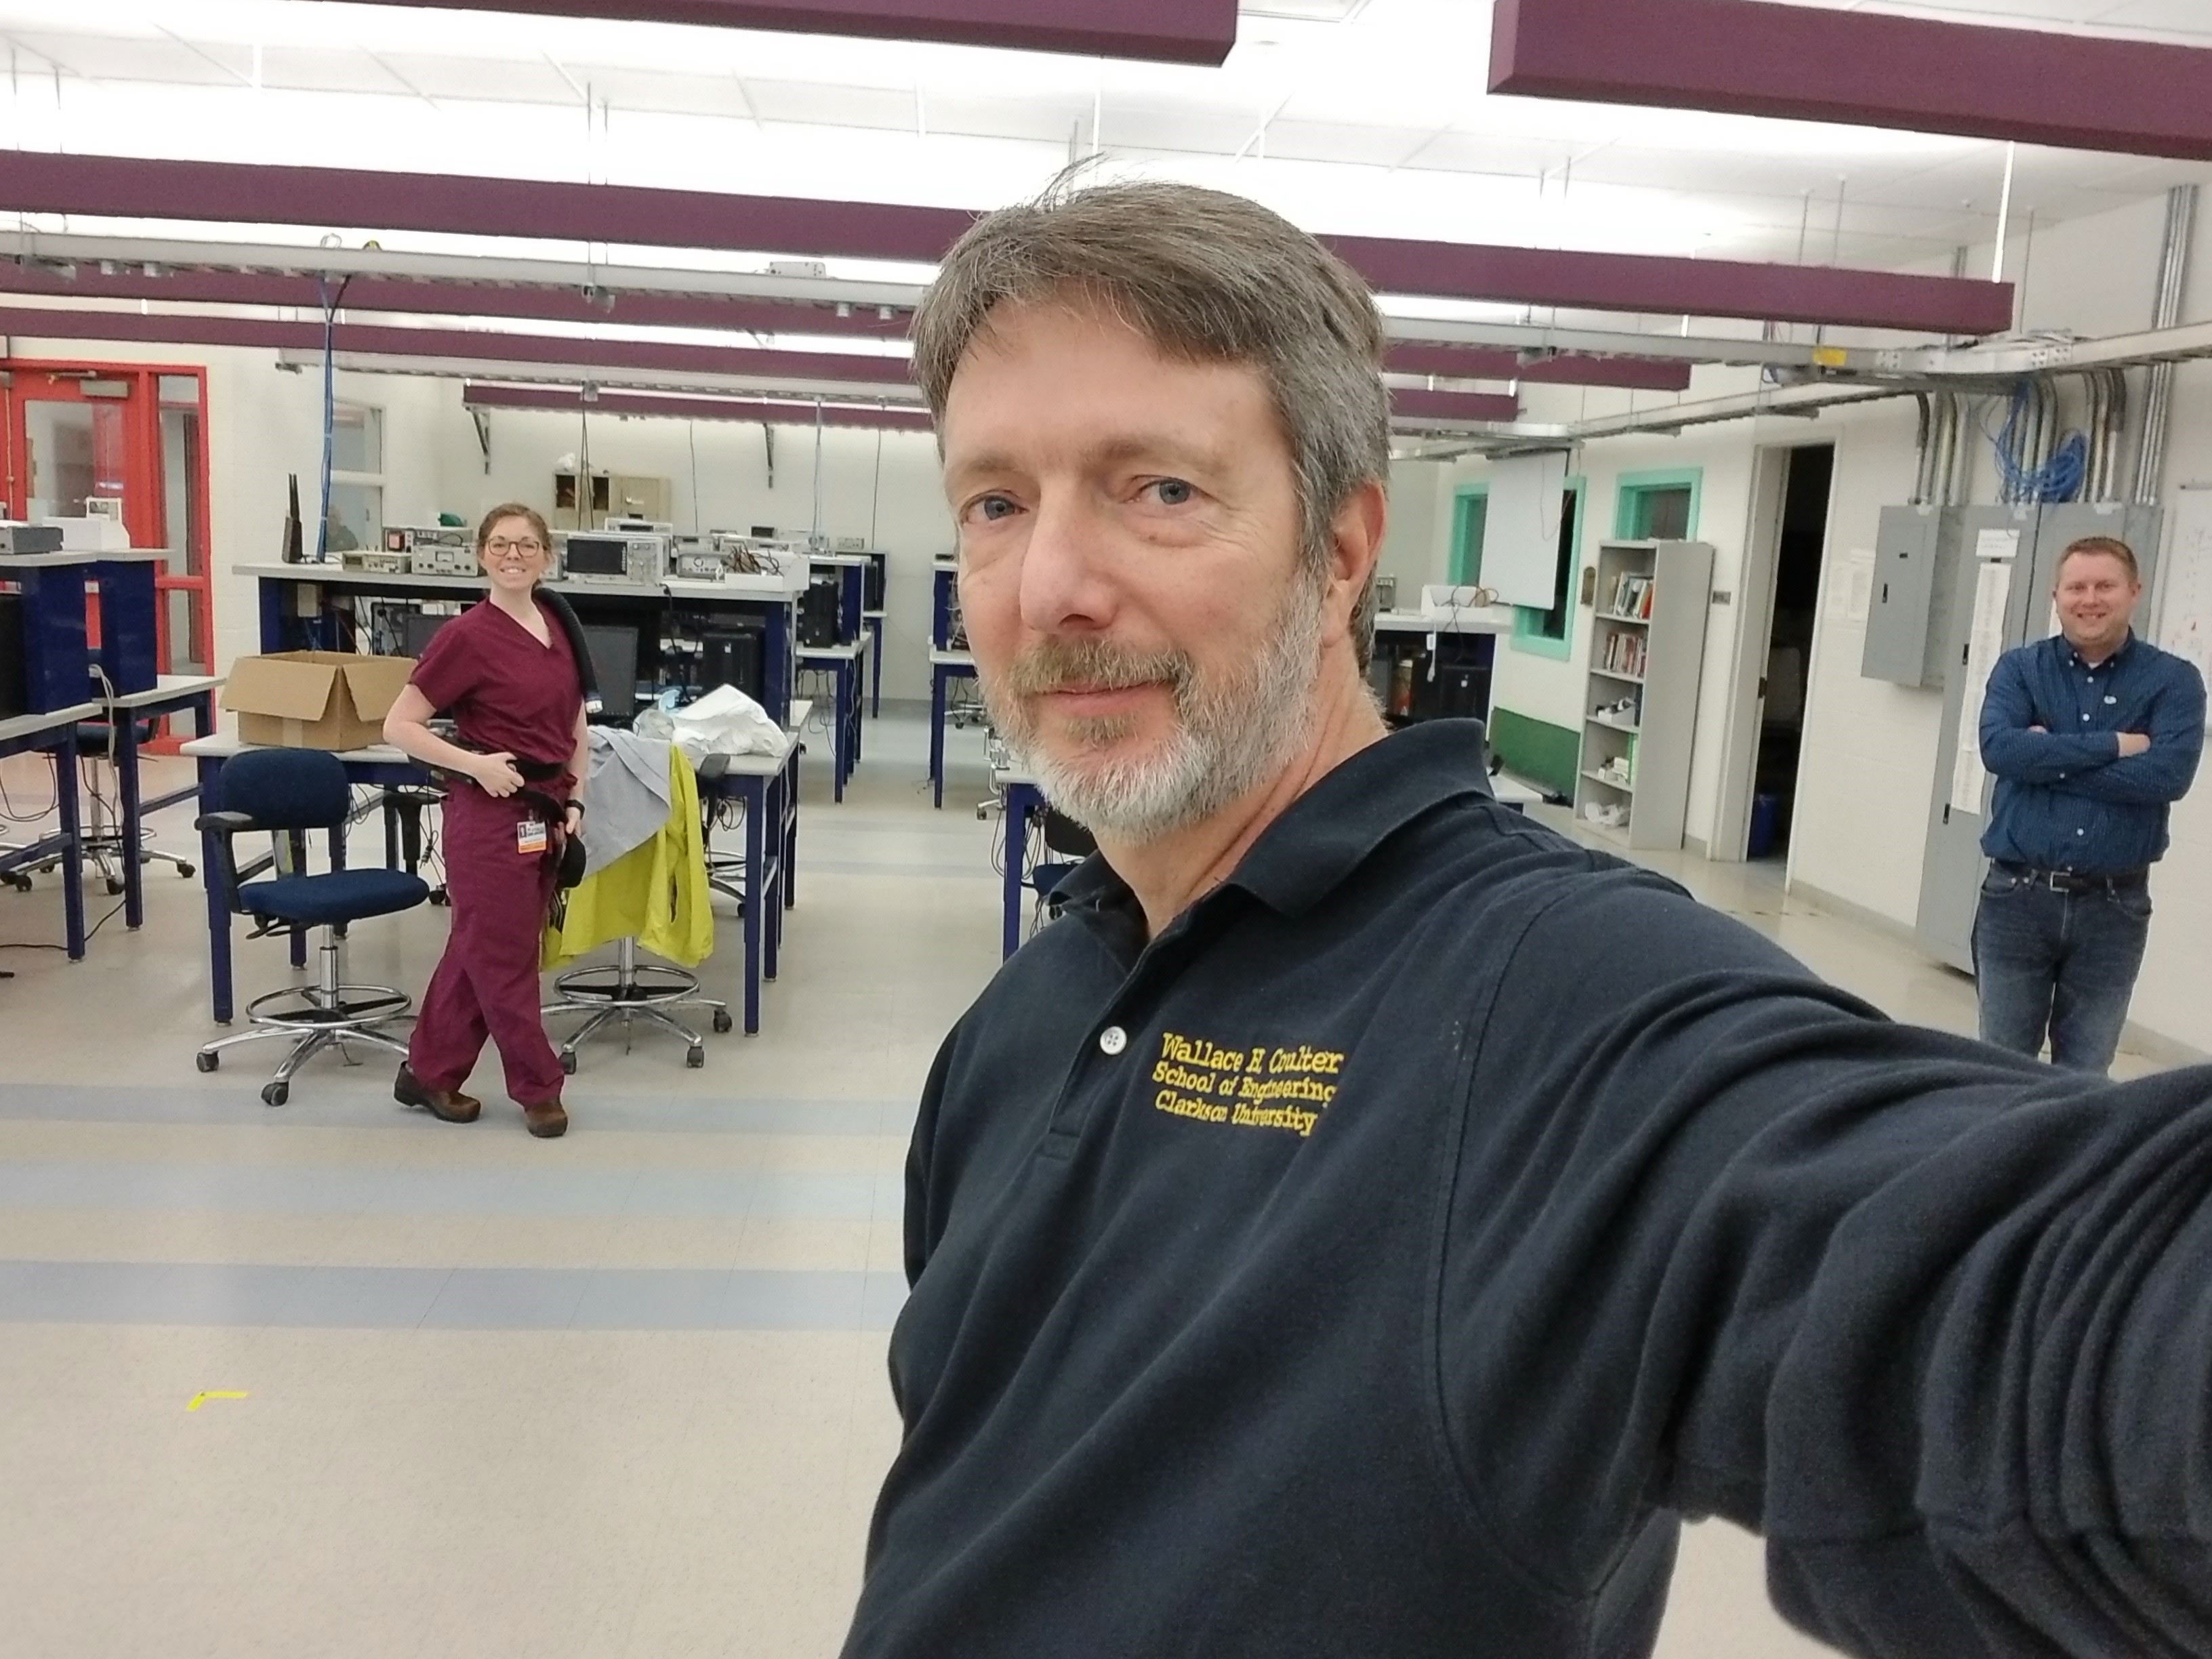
(338, 1379)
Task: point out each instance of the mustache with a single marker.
(1055, 665)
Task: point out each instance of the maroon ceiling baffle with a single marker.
(234, 192)
(1813, 63)
(1475, 407)
(673, 406)
(1494, 363)
(462, 345)
(454, 299)
(1163, 31)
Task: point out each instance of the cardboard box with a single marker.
(315, 699)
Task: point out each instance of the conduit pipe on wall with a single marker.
(1952, 481)
(1923, 485)
(2158, 399)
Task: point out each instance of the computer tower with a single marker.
(871, 583)
(1459, 692)
(732, 656)
(14, 690)
(818, 611)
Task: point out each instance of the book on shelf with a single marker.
(1626, 654)
(1632, 597)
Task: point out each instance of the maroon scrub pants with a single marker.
(487, 982)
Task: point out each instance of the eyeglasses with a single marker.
(501, 544)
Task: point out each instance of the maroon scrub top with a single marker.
(500, 687)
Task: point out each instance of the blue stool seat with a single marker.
(1045, 877)
(340, 896)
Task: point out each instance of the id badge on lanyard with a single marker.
(530, 837)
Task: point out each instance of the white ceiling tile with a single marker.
(334, 69)
(1042, 120)
(523, 81)
(641, 90)
(110, 58)
(817, 104)
(1330, 140)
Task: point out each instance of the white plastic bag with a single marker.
(726, 721)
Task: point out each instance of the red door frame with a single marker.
(145, 499)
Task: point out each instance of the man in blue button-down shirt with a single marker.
(2092, 734)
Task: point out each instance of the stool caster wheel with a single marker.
(185, 871)
(568, 1065)
(722, 1020)
(114, 885)
(207, 1063)
(694, 1058)
(275, 1094)
(20, 882)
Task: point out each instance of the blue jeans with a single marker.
(2058, 963)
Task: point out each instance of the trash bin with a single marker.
(1765, 815)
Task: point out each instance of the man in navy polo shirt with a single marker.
(1366, 1222)
(2093, 733)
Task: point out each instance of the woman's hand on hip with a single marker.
(495, 775)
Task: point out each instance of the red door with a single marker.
(130, 434)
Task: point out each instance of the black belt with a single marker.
(2072, 881)
(543, 806)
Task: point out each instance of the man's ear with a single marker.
(1355, 544)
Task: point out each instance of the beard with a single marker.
(1233, 731)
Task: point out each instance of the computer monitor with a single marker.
(614, 652)
(421, 627)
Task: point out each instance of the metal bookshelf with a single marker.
(1647, 649)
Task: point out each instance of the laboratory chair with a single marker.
(285, 793)
(1073, 843)
(102, 841)
(628, 990)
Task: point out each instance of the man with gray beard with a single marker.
(1366, 1222)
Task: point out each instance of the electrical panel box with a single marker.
(1916, 554)
(2000, 598)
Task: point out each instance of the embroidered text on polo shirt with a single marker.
(1209, 1083)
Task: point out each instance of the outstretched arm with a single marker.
(1933, 1318)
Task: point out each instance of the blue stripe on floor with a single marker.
(461, 1298)
(292, 1189)
(350, 1106)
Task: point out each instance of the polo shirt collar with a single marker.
(1329, 832)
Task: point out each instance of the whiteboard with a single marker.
(1521, 534)
(2184, 580)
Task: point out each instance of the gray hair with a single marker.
(1207, 277)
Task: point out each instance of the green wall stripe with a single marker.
(1536, 749)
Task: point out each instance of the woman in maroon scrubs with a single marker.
(503, 672)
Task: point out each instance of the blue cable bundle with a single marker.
(2058, 479)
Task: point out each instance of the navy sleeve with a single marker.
(2011, 750)
(2164, 773)
(1935, 1319)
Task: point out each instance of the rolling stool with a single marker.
(631, 990)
